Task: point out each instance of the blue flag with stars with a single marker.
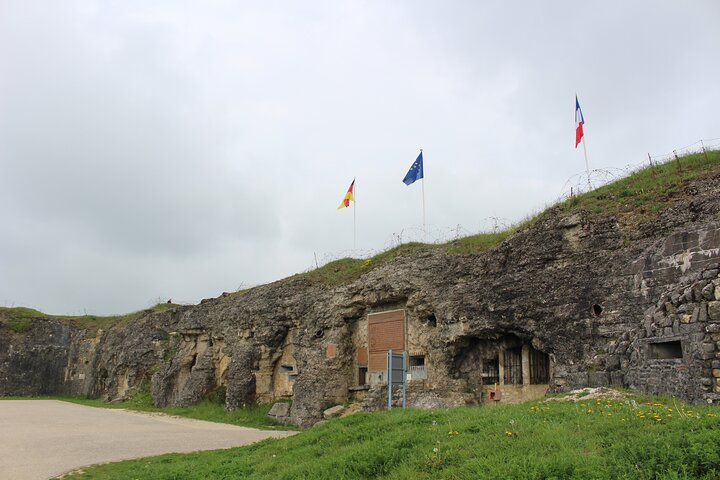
(416, 171)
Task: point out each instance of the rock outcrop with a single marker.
(610, 301)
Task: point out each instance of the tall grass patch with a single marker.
(596, 439)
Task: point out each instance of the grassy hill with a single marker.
(636, 198)
(19, 319)
(631, 438)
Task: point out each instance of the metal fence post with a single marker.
(389, 378)
(704, 151)
(404, 386)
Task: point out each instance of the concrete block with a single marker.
(612, 362)
(714, 310)
(617, 379)
(703, 314)
(710, 274)
(333, 411)
(280, 410)
(598, 379)
(708, 292)
(685, 308)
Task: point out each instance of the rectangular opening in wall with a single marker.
(417, 367)
(539, 367)
(666, 350)
(490, 371)
(362, 376)
(513, 366)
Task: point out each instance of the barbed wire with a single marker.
(578, 183)
(575, 185)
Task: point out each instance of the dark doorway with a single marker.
(539, 367)
(513, 366)
(362, 375)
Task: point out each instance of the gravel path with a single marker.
(40, 439)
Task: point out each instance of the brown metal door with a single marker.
(386, 331)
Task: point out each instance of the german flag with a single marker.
(348, 196)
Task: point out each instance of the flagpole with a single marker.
(423, 204)
(587, 165)
(354, 216)
(423, 195)
(582, 122)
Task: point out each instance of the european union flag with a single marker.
(416, 171)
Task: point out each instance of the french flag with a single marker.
(579, 122)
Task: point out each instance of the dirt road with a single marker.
(40, 439)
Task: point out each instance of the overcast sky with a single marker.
(155, 150)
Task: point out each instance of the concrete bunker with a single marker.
(502, 369)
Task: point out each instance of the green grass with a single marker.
(562, 440)
(19, 324)
(20, 319)
(636, 198)
(646, 193)
(348, 269)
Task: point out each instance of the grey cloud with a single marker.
(181, 149)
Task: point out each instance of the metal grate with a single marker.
(418, 372)
(491, 371)
(513, 366)
(539, 367)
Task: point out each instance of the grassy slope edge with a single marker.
(643, 438)
(19, 319)
(633, 199)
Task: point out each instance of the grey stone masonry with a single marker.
(683, 361)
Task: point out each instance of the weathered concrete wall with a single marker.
(34, 362)
(515, 393)
(677, 345)
(589, 290)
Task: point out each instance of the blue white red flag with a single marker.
(579, 122)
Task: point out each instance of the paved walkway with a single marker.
(40, 439)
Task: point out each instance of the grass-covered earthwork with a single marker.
(646, 438)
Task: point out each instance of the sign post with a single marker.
(397, 375)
